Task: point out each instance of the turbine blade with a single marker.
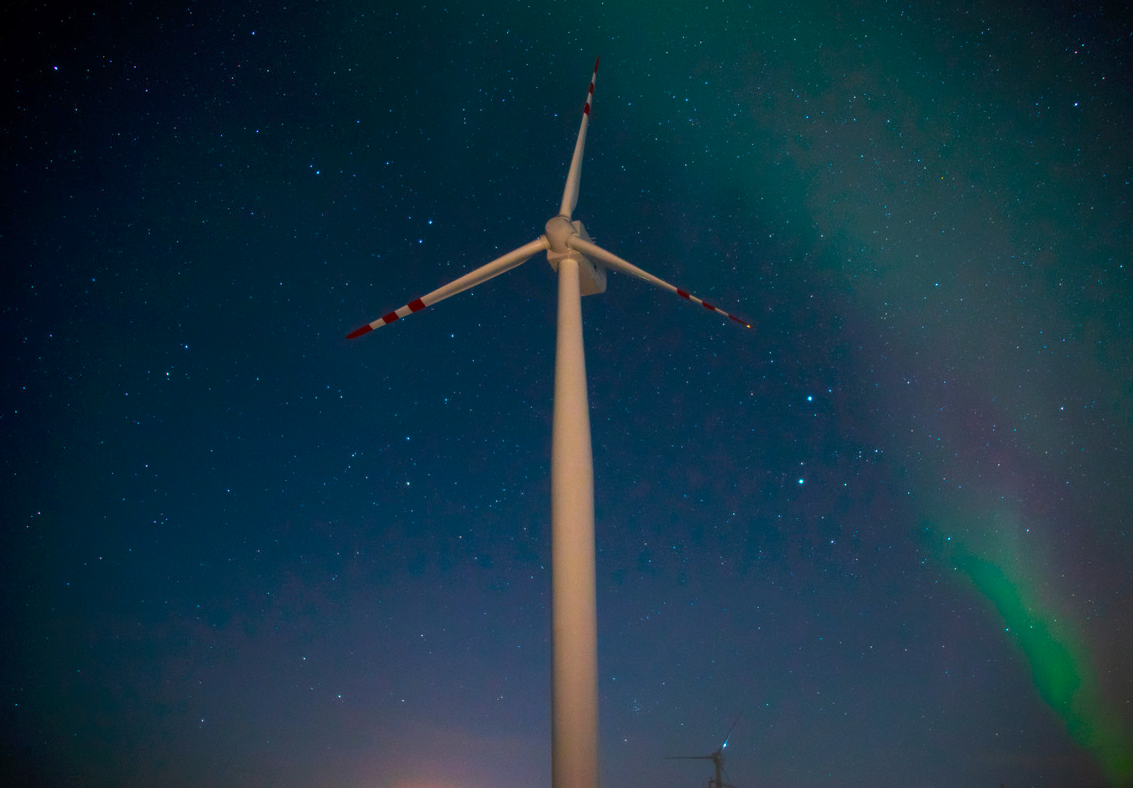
(618, 264)
(471, 279)
(729, 735)
(574, 175)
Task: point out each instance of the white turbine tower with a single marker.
(581, 266)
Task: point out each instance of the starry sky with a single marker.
(888, 528)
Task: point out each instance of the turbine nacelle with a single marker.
(559, 232)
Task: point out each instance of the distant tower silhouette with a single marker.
(717, 759)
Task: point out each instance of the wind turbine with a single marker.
(717, 759)
(581, 267)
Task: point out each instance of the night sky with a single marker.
(889, 527)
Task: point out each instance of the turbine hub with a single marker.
(558, 231)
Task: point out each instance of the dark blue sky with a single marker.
(889, 525)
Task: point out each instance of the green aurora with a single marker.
(1061, 667)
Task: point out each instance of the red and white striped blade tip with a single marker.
(711, 307)
(413, 306)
